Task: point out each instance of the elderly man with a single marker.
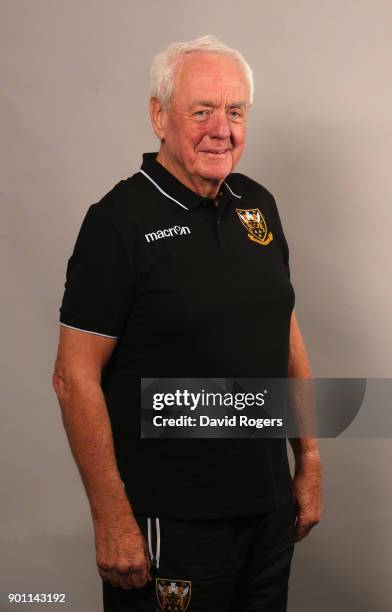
(182, 270)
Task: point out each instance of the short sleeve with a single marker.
(100, 279)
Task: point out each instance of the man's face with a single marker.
(205, 126)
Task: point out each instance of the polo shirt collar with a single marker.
(171, 187)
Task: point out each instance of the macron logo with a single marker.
(170, 232)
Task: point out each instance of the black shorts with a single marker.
(214, 565)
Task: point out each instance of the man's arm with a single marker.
(307, 480)
(77, 382)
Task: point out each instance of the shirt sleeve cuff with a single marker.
(91, 328)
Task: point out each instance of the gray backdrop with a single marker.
(74, 118)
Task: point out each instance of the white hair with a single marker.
(165, 63)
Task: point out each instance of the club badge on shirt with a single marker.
(173, 595)
(255, 224)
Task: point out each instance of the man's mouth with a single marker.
(216, 153)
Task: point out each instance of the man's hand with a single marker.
(307, 492)
(122, 552)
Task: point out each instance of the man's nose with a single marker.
(219, 125)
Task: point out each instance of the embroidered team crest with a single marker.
(255, 224)
(173, 595)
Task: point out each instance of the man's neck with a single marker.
(205, 188)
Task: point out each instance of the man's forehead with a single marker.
(206, 68)
(205, 79)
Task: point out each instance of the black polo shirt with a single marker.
(190, 289)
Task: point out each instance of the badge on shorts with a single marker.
(255, 224)
(173, 595)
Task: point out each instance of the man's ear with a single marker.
(157, 114)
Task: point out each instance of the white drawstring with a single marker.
(149, 536)
(158, 548)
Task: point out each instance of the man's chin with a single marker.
(216, 171)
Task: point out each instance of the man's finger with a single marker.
(103, 573)
(114, 578)
(126, 581)
(133, 578)
(139, 578)
(302, 529)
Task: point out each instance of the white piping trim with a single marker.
(87, 331)
(231, 191)
(161, 190)
(158, 551)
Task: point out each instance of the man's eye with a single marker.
(201, 113)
